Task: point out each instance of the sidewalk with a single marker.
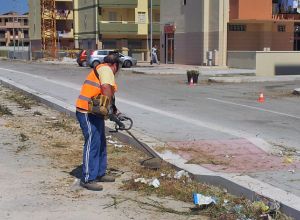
(179, 69)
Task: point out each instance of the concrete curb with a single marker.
(240, 185)
(246, 79)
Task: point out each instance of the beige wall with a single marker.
(201, 26)
(277, 63)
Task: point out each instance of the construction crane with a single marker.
(48, 28)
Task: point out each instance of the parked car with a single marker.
(82, 57)
(98, 55)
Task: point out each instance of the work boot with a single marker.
(92, 185)
(106, 178)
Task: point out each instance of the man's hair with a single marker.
(112, 58)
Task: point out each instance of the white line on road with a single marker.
(256, 108)
(240, 134)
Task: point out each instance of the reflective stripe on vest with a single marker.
(90, 88)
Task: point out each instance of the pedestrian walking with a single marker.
(94, 104)
(154, 58)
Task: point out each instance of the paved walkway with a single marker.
(145, 68)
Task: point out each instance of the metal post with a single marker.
(151, 29)
(14, 36)
(96, 25)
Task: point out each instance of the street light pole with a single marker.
(151, 29)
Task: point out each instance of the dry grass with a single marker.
(22, 100)
(5, 111)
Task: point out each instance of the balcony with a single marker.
(65, 34)
(118, 3)
(156, 28)
(155, 4)
(118, 27)
(286, 16)
(64, 14)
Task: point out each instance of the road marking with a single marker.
(240, 134)
(256, 108)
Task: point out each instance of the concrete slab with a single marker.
(231, 156)
(244, 79)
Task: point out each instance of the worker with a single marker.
(93, 106)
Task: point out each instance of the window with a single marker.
(281, 28)
(142, 17)
(102, 52)
(112, 16)
(237, 27)
(184, 2)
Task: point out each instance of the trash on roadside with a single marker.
(225, 202)
(112, 142)
(141, 180)
(200, 199)
(238, 209)
(119, 145)
(162, 174)
(108, 137)
(291, 171)
(155, 183)
(180, 174)
(288, 160)
(261, 206)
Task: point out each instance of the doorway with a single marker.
(297, 37)
(169, 49)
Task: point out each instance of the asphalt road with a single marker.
(165, 107)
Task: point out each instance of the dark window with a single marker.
(184, 2)
(237, 27)
(281, 28)
(102, 52)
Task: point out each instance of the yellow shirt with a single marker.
(106, 75)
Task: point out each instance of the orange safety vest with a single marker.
(90, 88)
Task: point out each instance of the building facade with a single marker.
(122, 25)
(14, 29)
(63, 21)
(194, 31)
(259, 25)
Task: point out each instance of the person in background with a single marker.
(154, 58)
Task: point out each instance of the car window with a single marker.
(102, 52)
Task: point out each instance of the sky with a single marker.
(19, 6)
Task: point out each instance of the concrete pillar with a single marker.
(205, 20)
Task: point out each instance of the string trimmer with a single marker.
(124, 123)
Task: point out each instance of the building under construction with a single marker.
(51, 25)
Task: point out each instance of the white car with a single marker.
(97, 57)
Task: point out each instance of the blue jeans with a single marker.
(94, 151)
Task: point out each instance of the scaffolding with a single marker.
(48, 29)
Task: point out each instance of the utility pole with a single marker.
(14, 41)
(151, 29)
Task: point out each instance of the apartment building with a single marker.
(14, 29)
(259, 25)
(63, 21)
(194, 31)
(123, 25)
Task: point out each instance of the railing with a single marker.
(286, 16)
(124, 27)
(119, 3)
